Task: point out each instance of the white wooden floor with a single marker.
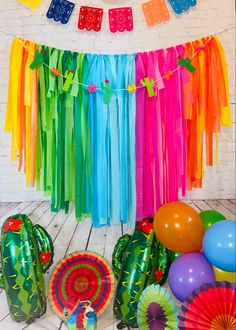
(70, 236)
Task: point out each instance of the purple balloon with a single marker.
(188, 272)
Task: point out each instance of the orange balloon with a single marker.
(179, 227)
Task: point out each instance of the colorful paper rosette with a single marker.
(156, 309)
(78, 277)
(212, 306)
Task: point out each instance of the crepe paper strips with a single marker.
(90, 18)
(149, 86)
(60, 10)
(38, 59)
(168, 75)
(180, 6)
(69, 80)
(121, 19)
(92, 88)
(33, 4)
(132, 88)
(170, 148)
(186, 62)
(107, 91)
(118, 162)
(155, 12)
(55, 72)
(199, 48)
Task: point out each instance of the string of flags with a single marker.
(120, 19)
(106, 87)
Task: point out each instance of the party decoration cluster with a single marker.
(82, 136)
(180, 228)
(26, 253)
(120, 19)
(138, 261)
(140, 269)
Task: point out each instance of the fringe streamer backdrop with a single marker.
(118, 161)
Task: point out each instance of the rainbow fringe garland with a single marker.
(124, 159)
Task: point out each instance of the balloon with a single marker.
(188, 272)
(219, 245)
(209, 217)
(179, 227)
(27, 252)
(138, 261)
(221, 275)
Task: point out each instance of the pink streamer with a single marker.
(160, 131)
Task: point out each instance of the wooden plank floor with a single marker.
(70, 236)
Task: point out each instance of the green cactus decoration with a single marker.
(138, 261)
(26, 252)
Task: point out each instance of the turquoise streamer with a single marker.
(113, 140)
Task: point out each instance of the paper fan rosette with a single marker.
(156, 309)
(81, 276)
(212, 306)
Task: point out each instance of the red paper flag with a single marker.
(121, 19)
(90, 18)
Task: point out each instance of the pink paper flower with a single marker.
(92, 88)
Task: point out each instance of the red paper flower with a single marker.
(145, 226)
(90, 18)
(121, 19)
(12, 224)
(158, 275)
(45, 257)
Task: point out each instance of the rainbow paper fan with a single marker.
(212, 306)
(156, 309)
(81, 276)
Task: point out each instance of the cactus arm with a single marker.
(46, 250)
(165, 256)
(117, 255)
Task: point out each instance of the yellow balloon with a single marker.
(221, 275)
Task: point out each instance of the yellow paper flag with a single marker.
(33, 4)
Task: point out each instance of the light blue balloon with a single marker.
(219, 245)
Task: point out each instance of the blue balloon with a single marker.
(219, 245)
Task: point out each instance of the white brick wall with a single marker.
(210, 16)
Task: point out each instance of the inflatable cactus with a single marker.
(138, 261)
(27, 252)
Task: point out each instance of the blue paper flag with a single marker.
(182, 5)
(60, 10)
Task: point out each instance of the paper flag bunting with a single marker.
(60, 10)
(33, 4)
(121, 19)
(90, 18)
(155, 12)
(180, 6)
